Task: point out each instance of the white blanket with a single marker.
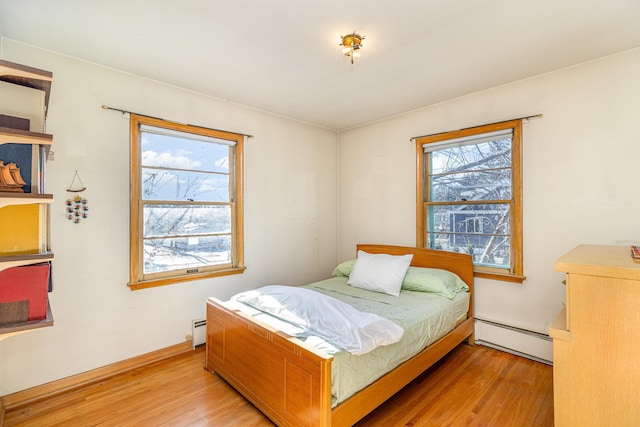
(337, 322)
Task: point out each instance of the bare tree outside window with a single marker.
(469, 195)
(186, 213)
(477, 173)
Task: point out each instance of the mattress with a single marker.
(425, 317)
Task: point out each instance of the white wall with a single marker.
(579, 169)
(580, 175)
(290, 218)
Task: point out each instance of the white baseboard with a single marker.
(532, 345)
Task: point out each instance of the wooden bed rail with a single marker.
(365, 401)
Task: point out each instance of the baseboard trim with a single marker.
(36, 394)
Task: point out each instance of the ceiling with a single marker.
(283, 56)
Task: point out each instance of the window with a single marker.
(186, 213)
(469, 196)
(472, 225)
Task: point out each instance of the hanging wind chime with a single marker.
(77, 207)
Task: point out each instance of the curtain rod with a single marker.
(105, 107)
(535, 116)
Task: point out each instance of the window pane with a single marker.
(492, 184)
(480, 230)
(188, 211)
(160, 184)
(487, 155)
(162, 255)
(175, 220)
(183, 153)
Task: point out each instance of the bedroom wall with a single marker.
(290, 218)
(580, 179)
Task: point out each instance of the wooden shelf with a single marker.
(558, 329)
(37, 79)
(19, 136)
(19, 328)
(11, 199)
(23, 75)
(9, 261)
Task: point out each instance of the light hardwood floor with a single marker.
(472, 386)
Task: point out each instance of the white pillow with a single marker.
(379, 272)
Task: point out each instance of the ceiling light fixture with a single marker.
(351, 44)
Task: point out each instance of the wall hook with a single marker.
(76, 187)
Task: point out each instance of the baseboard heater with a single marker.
(199, 333)
(511, 339)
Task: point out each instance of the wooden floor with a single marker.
(472, 386)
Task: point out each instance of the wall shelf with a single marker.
(23, 75)
(8, 261)
(12, 199)
(29, 227)
(10, 330)
(18, 136)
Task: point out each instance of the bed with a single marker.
(290, 380)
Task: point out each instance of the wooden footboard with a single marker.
(287, 380)
(290, 382)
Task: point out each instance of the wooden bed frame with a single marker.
(290, 382)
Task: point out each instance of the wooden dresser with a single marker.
(596, 339)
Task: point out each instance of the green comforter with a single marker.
(425, 317)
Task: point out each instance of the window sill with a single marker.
(504, 277)
(144, 284)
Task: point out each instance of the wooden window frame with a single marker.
(136, 276)
(516, 271)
